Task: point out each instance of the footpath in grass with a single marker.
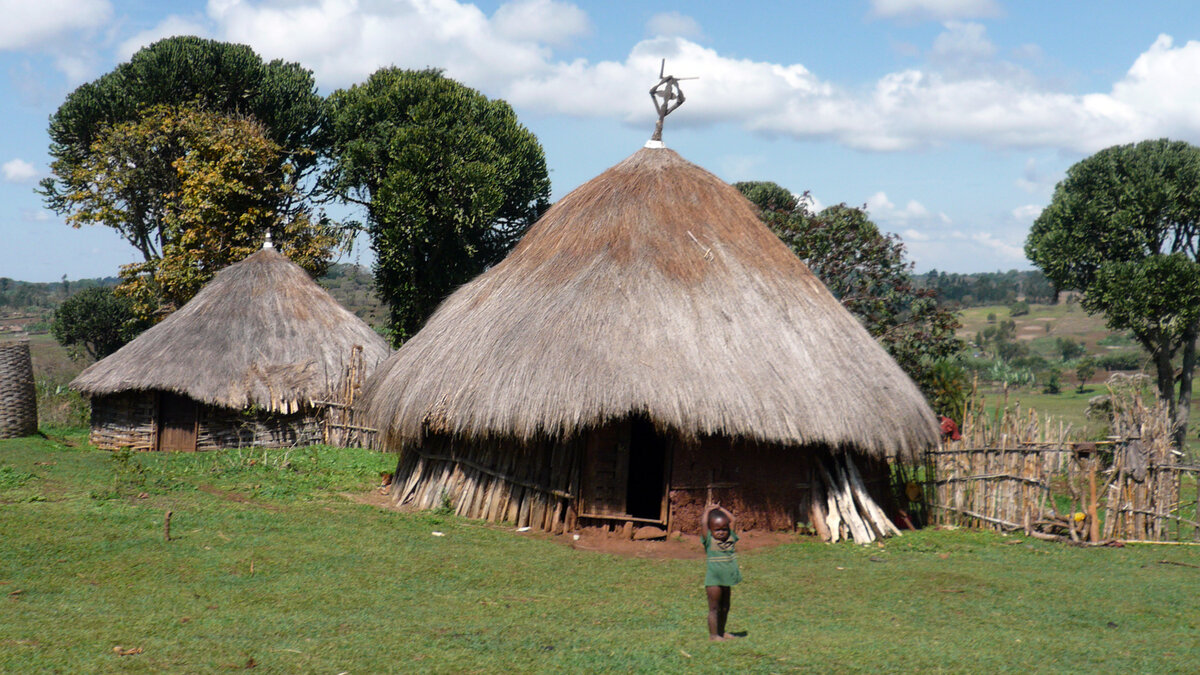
(271, 565)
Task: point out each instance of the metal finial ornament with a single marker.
(667, 96)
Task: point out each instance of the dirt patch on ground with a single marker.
(235, 497)
(683, 546)
(374, 497)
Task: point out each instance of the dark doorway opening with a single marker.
(647, 466)
(176, 423)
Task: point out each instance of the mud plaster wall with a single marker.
(766, 486)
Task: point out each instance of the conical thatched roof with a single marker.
(262, 332)
(653, 288)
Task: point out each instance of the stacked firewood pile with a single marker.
(842, 507)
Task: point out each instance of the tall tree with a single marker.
(216, 77)
(450, 180)
(866, 270)
(1122, 228)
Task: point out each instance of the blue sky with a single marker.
(951, 120)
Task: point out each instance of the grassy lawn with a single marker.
(272, 563)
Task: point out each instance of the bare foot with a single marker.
(730, 636)
(716, 638)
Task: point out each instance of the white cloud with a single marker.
(1031, 180)
(18, 171)
(937, 10)
(674, 24)
(962, 252)
(962, 40)
(1014, 253)
(344, 41)
(38, 24)
(1027, 214)
(964, 94)
(887, 213)
(545, 21)
(171, 26)
(35, 215)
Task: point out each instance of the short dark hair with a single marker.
(717, 517)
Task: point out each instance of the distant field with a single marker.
(1045, 323)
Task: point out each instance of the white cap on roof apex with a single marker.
(654, 144)
(267, 242)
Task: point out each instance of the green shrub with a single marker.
(1053, 383)
(1031, 361)
(1009, 351)
(1018, 308)
(60, 406)
(1121, 361)
(1115, 340)
(1069, 348)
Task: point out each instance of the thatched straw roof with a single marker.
(653, 288)
(262, 333)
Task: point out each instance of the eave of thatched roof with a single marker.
(655, 289)
(261, 333)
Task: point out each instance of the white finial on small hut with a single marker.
(267, 242)
(672, 97)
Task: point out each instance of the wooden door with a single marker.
(176, 422)
(606, 471)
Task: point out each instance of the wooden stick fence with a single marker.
(1014, 471)
(340, 424)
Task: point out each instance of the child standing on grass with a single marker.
(722, 567)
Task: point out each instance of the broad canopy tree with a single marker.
(1123, 227)
(866, 270)
(190, 151)
(450, 180)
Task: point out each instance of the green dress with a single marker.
(722, 561)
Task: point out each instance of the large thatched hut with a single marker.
(649, 345)
(243, 363)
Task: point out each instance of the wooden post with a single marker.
(1093, 519)
(167, 526)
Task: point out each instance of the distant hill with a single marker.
(989, 288)
(27, 307)
(354, 287)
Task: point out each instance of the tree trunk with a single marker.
(1183, 409)
(1165, 376)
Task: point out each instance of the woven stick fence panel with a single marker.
(18, 396)
(226, 428)
(342, 424)
(1014, 471)
(124, 420)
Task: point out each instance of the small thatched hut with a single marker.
(649, 345)
(241, 364)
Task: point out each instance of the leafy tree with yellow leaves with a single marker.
(214, 183)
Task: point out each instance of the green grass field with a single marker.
(274, 564)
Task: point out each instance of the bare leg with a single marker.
(723, 611)
(715, 627)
